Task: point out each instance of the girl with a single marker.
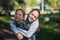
(29, 26)
(32, 24)
(19, 17)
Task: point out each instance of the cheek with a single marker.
(20, 17)
(15, 16)
(30, 15)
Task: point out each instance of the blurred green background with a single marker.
(49, 21)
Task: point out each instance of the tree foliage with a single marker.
(52, 3)
(10, 5)
(31, 2)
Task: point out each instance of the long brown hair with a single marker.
(20, 10)
(35, 10)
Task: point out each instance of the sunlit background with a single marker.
(49, 27)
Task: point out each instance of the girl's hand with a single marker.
(19, 36)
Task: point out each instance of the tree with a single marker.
(7, 6)
(31, 2)
(52, 3)
(59, 6)
(34, 3)
(21, 3)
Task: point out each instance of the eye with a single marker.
(35, 17)
(19, 14)
(32, 14)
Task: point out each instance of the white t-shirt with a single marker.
(28, 33)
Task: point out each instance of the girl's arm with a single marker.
(31, 31)
(13, 28)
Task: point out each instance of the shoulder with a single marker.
(35, 22)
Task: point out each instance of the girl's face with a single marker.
(33, 16)
(19, 16)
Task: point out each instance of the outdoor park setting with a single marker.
(49, 21)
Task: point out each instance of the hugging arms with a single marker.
(30, 23)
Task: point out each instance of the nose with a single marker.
(32, 17)
(17, 15)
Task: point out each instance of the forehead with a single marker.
(35, 13)
(19, 11)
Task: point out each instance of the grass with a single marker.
(4, 22)
(49, 30)
(4, 19)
